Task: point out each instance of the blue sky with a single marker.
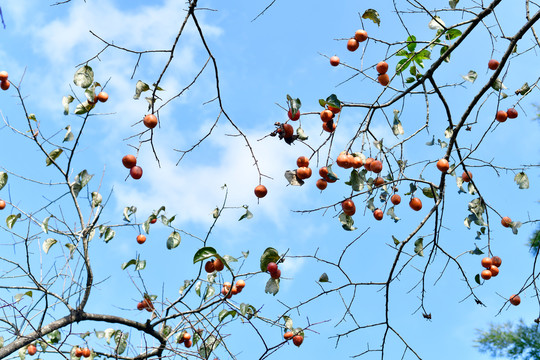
(259, 63)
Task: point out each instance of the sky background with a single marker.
(260, 62)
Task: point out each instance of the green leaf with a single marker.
(247, 215)
(402, 65)
(291, 177)
(69, 135)
(83, 108)
(215, 213)
(419, 246)
(205, 253)
(18, 297)
(403, 52)
(84, 77)
(269, 255)
(128, 211)
(294, 105)
(373, 15)
(428, 192)
(139, 264)
(452, 34)
(81, 180)
(272, 286)
(522, 180)
(396, 241)
(524, 89)
(453, 3)
(471, 189)
(323, 278)
(333, 101)
(208, 345)
(71, 247)
(477, 279)
(210, 291)
(436, 24)
(378, 144)
(515, 226)
(96, 199)
(443, 50)
(397, 128)
(45, 225)
(3, 179)
(288, 322)
(476, 251)
(408, 81)
(66, 100)
(120, 339)
(355, 181)
(370, 205)
(173, 240)
(165, 331)
(54, 337)
(11, 220)
(331, 175)
(301, 134)
(498, 85)
(412, 43)
(184, 287)
(53, 155)
(432, 142)
(47, 244)
(247, 310)
(391, 212)
(471, 76)
(224, 313)
(198, 288)
(347, 222)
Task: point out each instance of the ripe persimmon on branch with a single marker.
(369, 149)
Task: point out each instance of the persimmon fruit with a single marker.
(2, 204)
(86, 352)
(4, 85)
(321, 184)
(296, 115)
(272, 267)
(288, 130)
(395, 199)
(376, 166)
(348, 207)
(379, 181)
(486, 274)
(515, 300)
(361, 35)
(326, 115)
(493, 64)
(3, 75)
(31, 349)
(415, 204)
(501, 116)
(486, 262)
(466, 176)
(103, 96)
(506, 221)
(288, 335)
(367, 163)
(209, 266)
(443, 165)
(260, 191)
(136, 172)
(494, 270)
(382, 67)
(383, 79)
(129, 161)
(141, 238)
(497, 261)
(276, 274)
(329, 126)
(512, 113)
(298, 340)
(334, 60)
(79, 352)
(218, 264)
(378, 214)
(150, 121)
(352, 44)
(303, 173)
(302, 161)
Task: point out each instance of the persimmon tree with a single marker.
(47, 300)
